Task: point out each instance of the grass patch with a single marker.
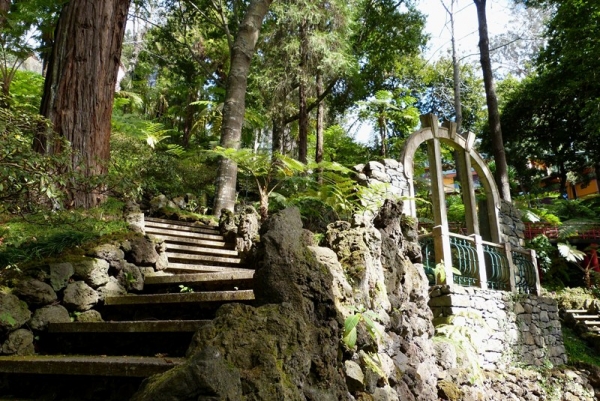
(578, 350)
(31, 238)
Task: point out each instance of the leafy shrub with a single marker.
(144, 163)
(29, 180)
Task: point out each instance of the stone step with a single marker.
(170, 239)
(591, 322)
(184, 297)
(583, 317)
(123, 366)
(199, 249)
(181, 223)
(185, 234)
(579, 311)
(183, 268)
(193, 278)
(149, 326)
(179, 227)
(172, 256)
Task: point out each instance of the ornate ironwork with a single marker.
(464, 259)
(525, 274)
(497, 268)
(428, 256)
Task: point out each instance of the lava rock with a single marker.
(35, 292)
(80, 297)
(49, 314)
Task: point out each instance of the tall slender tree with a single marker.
(501, 174)
(80, 85)
(235, 100)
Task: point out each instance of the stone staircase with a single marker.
(142, 334)
(583, 317)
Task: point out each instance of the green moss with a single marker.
(27, 240)
(449, 391)
(578, 350)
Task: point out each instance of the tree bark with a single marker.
(80, 86)
(235, 101)
(302, 108)
(320, 114)
(501, 174)
(4, 8)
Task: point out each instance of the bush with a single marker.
(29, 180)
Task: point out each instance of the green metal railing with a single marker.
(428, 257)
(480, 263)
(464, 259)
(497, 267)
(525, 277)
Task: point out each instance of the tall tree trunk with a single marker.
(455, 72)
(4, 8)
(320, 116)
(492, 104)
(302, 107)
(80, 86)
(235, 101)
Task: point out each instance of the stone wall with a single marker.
(504, 328)
(511, 225)
(388, 175)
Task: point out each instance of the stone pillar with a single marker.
(480, 261)
(436, 175)
(538, 285)
(511, 266)
(463, 168)
(443, 254)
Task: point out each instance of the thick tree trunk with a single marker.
(235, 101)
(492, 104)
(80, 86)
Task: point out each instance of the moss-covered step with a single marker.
(186, 297)
(179, 227)
(202, 258)
(123, 366)
(193, 241)
(180, 223)
(200, 250)
(185, 268)
(191, 278)
(177, 233)
(149, 326)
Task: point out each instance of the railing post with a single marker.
(480, 261)
(538, 285)
(441, 243)
(511, 266)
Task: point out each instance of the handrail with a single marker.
(480, 263)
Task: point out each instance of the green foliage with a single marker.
(26, 91)
(7, 318)
(366, 317)
(145, 163)
(544, 251)
(440, 273)
(186, 289)
(570, 253)
(29, 180)
(455, 209)
(578, 350)
(37, 236)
